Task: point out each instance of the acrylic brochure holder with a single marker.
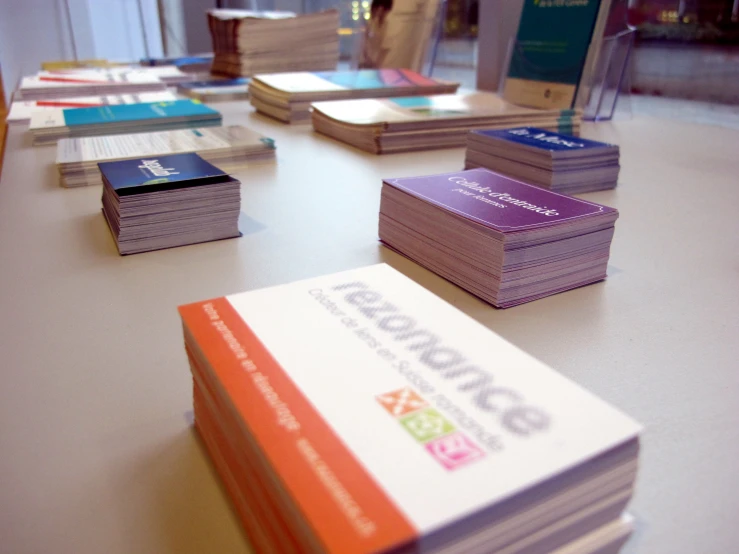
(609, 80)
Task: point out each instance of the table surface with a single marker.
(97, 450)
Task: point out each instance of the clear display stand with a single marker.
(609, 82)
(610, 78)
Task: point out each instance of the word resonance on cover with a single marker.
(451, 448)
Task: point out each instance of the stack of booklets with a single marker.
(551, 160)
(215, 90)
(63, 84)
(246, 42)
(166, 201)
(504, 241)
(170, 74)
(359, 413)
(425, 122)
(229, 148)
(21, 110)
(49, 126)
(288, 96)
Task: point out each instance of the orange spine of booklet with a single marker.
(336, 495)
(222, 461)
(258, 510)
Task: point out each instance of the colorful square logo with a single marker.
(426, 425)
(455, 450)
(402, 401)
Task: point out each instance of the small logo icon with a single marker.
(455, 450)
(438, 435)
(426, 425)
(402, 401)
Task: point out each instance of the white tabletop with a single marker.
(97, 452)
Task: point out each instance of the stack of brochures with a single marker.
(229, 148)
(215, 90)
(288, 96)
(558, 162)
(49, 126)
(505, 241)
(358, 412)
(87, 82)
(165, 201)
(247, 42)
(21, 110)
(425, 122)
(170, 74)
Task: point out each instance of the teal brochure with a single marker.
(136, 112)
(550, 51)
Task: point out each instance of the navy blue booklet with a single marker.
(160, 173)
(555, 143)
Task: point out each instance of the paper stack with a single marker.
(502, 240)
(170, 74)
(87, 82)
(558, 162)
(49, 126)
(21, 110)
(246, 42)
(167, 201)
(229, 148)
(358, 413)
(215, 90)
(425, 122)
(288, 96)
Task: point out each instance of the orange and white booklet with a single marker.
(358, 412)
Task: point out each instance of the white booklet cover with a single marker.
(23, 110)
(114, 147)
(86, 78)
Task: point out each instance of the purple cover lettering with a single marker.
(497, 201)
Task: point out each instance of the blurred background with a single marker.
(683, 49)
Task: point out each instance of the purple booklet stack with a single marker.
(505, 241)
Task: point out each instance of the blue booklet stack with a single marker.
(215, 90)
(47, 127)
(168, 201)
(186, 63)
(551, 160)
